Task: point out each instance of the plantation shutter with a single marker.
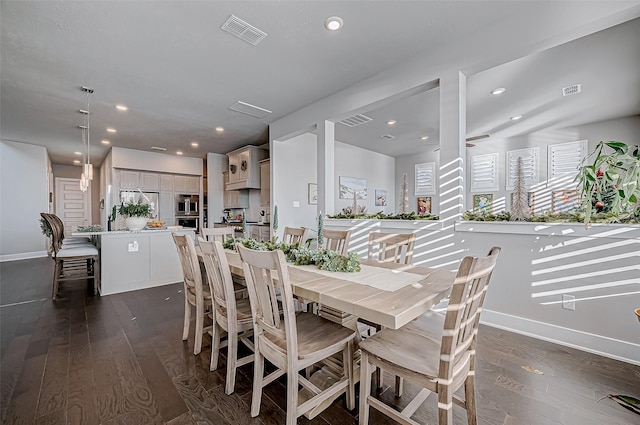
(484, 172)
(529, 167)
(565, 159)
(425, 179)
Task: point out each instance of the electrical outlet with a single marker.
(296, 204)
(133, 246)
(568, 302)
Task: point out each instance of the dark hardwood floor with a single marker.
(120, 359)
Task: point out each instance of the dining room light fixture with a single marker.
(333, 23)
(87, 168)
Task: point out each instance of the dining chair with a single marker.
(291, 342)
(54, 220)
(437, 352)
(391, 247)
(294, 235)
(78, 261)
(337, 240)
(195, 293)
(217, 233)
(228, 315)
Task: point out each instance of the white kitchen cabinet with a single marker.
(186, 184)
(149, 181)
(265, 183)
(244, 167)
(129, 179)
(166, 210)
(166, 182)
(234, 198)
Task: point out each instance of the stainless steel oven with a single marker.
(191, 222)
(187, 205)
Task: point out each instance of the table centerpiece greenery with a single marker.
(136, 214)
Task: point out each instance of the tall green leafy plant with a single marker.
(613, 177)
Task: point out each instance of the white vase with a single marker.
(135, 224)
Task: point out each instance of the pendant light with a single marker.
(87, 168)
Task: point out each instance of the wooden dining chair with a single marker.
(391, 247)
(436, 352)
(291, 342)
(228, 315)
(72, 261)
(294, 235)
(337, 240)
(195, 293)
(217, 233)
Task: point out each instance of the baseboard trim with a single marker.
(23, 256)
(596, 344)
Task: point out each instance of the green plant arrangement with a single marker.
(612, 182)
(90, 228)
(382, 216)
(44, 226)
(132, 209)
(632, 217)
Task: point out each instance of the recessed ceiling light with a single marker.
(424, 137)
(219, 129)
(76, 161)
(111, 130)
(121, 108)
(78, 153)
(194, 144)
(179, 153)
(105, 142)
(516, 117)
(333, 23)
(391, 122)
(499, 90)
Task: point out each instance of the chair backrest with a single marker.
(217, 233)
(191, 274)
(57, 230)
(463, 315)
(268, 283)
(294, 235)
(337, 240)
(391, 247)
(219, 277)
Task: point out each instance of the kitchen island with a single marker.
(137, 260)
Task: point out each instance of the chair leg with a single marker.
(258, 375)
(187, 318)
(232, 358)
(197, 345)
(57, 270)
(215, 347)
(292, 397)
(470, 400)
(399, 385)
(347, 360)
(365, 388)
(445, 406)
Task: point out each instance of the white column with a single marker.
(453, 129)
(326, 172)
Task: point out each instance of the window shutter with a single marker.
(484, 173)
(425, 178)
(565, 158)
(529, 167)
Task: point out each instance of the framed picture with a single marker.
(530, 201)
(381, 198)
(564, 200)
(313, 193)
(352, 185)
(424, 205)
(483, 202)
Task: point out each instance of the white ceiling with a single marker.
(178, 73)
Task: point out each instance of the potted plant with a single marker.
(612, 182)
(136, 215)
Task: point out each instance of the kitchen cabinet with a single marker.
(260, 232)
(129, 179)
(166, 182)
(265, 183)
(167, 207)
(150, 181)
(186, 184)
(244, 168)
(234, 198)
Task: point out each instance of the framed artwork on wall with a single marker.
(531, 196)
(483, 202)
(353, 185)
(312, 193)
(424, 205)
(564, 200)
(381, 197)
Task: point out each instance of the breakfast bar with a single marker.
(137, 260)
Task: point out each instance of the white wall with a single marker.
(406, 164)
(24, 194)
(151, 161)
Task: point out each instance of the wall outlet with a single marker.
(296, 204)
(133, 246)
(568, 302)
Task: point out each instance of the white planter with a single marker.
(135, 224)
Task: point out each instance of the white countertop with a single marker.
(123, 232)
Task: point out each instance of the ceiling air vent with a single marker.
(388, 136)
(249, 109)
(157, 148)
(239, 28)
(574, 89)
(355, 120)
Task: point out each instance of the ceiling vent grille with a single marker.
(355, 120)
(249, 109)
(239, 28)
(574, 89)
(388, 136)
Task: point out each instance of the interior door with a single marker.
(72, 205)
